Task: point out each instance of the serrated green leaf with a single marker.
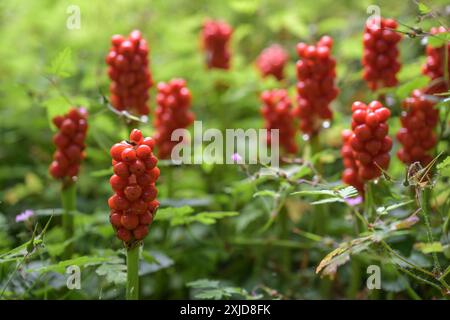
(62, 65)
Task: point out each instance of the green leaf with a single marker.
(429, 247)
(385, 210)
(116, 273)
(184, 215)
(61, 266)
(439, 40)
(62, 65)
(266, 193)
(314, 193)
(327, 200)
(245, 6)
(405, 89)
(423, 8)
(55, 106)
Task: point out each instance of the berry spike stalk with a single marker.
(133, 205)
(174, 101)
(370, 144)
(435, 64)
(416, 135)
(70, 145)
(129, 73)
(380, 57)
(215, 39)
(315, 87)
(277, 113)
(271, 61)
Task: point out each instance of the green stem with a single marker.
(133, 273)
(69, 200)
(369, 208)
(425, 198)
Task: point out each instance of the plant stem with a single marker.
(133, 273)
(69, 200)
(425, 196)
(368, 201)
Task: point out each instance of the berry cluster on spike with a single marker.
(69, 142)
(316, 73)
(271, 61)
(216, 37)
(173, 112)
(277, 113)
(133, 205)
(350, 175)
(416, 134)
(435, 64)
(381, 55)
(129, 73)
(370, 141)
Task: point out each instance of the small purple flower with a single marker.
(354, 201)
(24, 215)
(236, 158)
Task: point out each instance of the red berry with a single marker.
(116, 151)
(128, 155)
(143, 152)
(136, 136)
(124, 235)
(271, 61)
(137, 167)
(121, 169)
(133, 192)
(140, 232)
(115, 218)
(145, 218)
(129, 221)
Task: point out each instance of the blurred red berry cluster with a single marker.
(216, 37)
(277, 113)
(316, 72)
(174, 101)
(435, 64)
(134, 203)
(416, 134)
(69, 142)
(129, 73)
(350, 175)
(381, 55)
(271, 61)
(370, 142)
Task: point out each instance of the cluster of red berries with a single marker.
(370, 142)
(380, 57)
(216, 36)
(316, 72)
(69, 141)
(174, 101)
(416, 135)
(277, 113)
(271, 61)
(435, 64)
(134, 203)
(129, 73)
(350, 175)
